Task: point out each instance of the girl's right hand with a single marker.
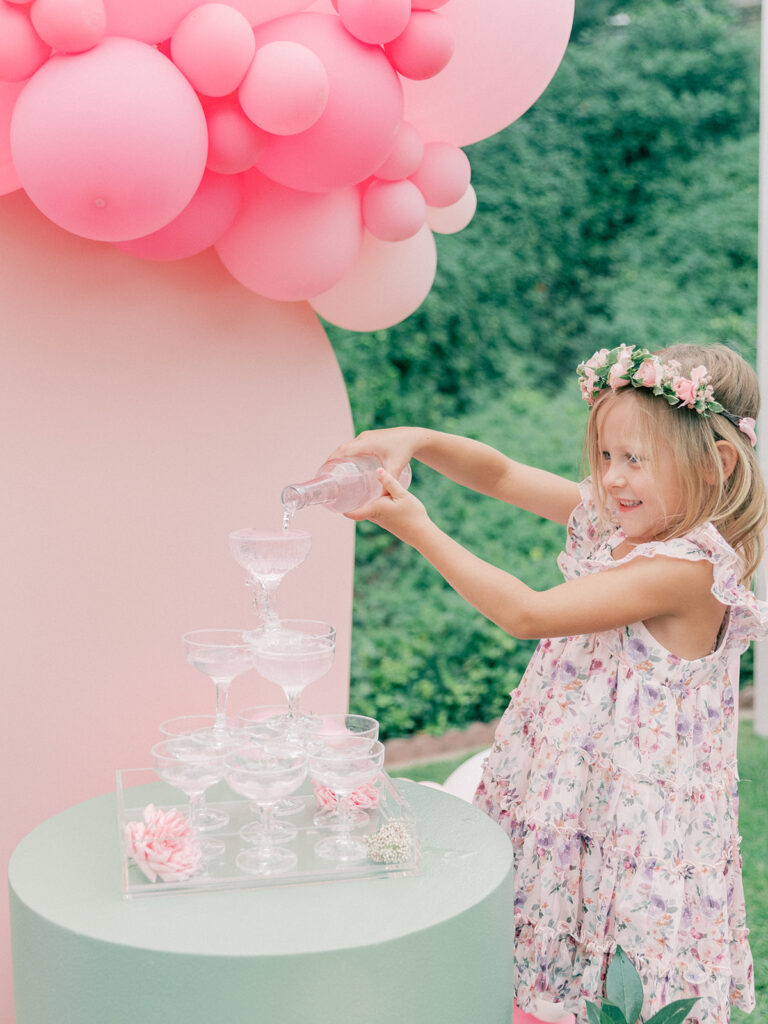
(395, 447)
(397, 510)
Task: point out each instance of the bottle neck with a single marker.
(320, 491)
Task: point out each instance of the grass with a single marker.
(753, 825)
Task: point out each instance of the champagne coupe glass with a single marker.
(221, 654)
(201, 729)
(335, 731)
(192, 765)
(262, 724)
(267, 555)
(343, 770)
(264, 775)
(294, 655)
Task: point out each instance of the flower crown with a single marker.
(615, 368)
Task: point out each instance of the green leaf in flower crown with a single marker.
(674, 1013)
(623, 986)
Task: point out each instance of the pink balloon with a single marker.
(424, 48)
(234, 141)
(443, 175)
(405, 156)
(387, 283)
(22, 51)
(109, 144)
(289, 245)
(374, 21)
(393, 210)
(152, 21)
(427, 5)
(447, 220)
(506, 53)
(9, 179)
(207, 216)
(356, 130)
(286, 88)
(213, 46)
(69, 26)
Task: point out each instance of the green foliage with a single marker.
(624, 992)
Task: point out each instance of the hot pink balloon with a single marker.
(69, 26)
(152, 21)
(9, 179)
(210, 212)
(393, 210)
(447, 220)
(443, 175)
(424, 48)
(213, 46)
(286, 88)
(374, 21)
(234, 141)
(356, 130)
(405, 156)
(289, 245)
(109, 144)
(506, 53)
(387, 283)
(22, 51)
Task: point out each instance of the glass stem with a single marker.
(344, 807)
(293, 704)
(222, 691)
(195, 802)
(267, 812)
(269, 604)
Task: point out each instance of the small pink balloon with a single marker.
(213, 47)
(374, 21)
(427, 5)
(234, 141)
(447, 220)
(443, 175)
(388, 282)
(405, 156)
(286, 88)
(152, 21)
(207, 216)
(109, 144)
(424, 48)
(393, 210)
(69, 26)
(9, 179)
(356, 130)
(22, 51)
(289, 245)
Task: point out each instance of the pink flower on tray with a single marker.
(366, 796)
(163, 845)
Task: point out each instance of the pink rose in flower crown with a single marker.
(650, 373)
(618, 371)
(163, 845)
(685, 390)
(365, 797)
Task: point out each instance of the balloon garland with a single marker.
(315, 145)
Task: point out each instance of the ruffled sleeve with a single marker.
(588, 535)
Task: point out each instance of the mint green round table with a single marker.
(435, 948)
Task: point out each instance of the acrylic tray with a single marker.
(137, 787)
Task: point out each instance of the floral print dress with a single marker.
(614, 772)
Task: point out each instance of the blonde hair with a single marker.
(735, 504)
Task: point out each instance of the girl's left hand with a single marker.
(397, 510)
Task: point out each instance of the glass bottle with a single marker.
(342, 485)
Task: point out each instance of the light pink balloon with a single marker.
(213, 46)
(506, 53)
(9, 179)
(207, 216)
(155, 20)
(289, 245)
(447, 220)
(393, 210)
(286, 88)
(443, 175)
(374, 21)
(22, 51)
(69, 26)
(357, 128)
(387, 283)
(234, 141)
(405, 156)
(109, 144)
(424, 48)
(427, 5)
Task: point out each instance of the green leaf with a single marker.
(593, 1012)
(623, 986)
(674, 1013)
(612, 1015)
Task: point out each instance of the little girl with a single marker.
(614, 767)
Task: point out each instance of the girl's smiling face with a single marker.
(642, 485)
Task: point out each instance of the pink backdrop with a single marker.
(145, 411)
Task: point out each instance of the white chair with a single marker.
(465, 779)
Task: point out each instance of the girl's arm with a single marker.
(672, 595)
(472, 464)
